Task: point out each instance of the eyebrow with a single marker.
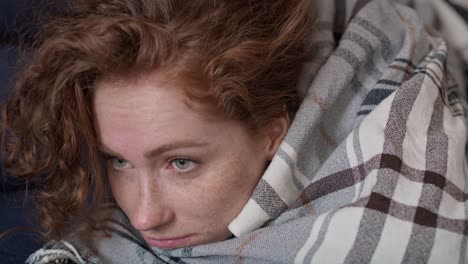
(159, 150)
(174, 145)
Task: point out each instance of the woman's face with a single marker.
(180, 175)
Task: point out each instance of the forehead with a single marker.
(134, 86)
(148, 109)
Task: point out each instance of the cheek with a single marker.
(124, 191)
(226, 190)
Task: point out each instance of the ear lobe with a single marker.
(276, 131)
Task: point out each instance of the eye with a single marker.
(182, 165)
(119, 163)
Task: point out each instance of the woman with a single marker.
(185, 115)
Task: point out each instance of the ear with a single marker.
(275, 133)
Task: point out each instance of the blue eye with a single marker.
(119, 163)
(182, 164)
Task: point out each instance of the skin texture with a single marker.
(180, 174)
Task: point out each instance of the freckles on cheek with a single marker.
(231, 190)
(122, 189)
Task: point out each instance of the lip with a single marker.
(168, 243)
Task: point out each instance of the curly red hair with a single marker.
(248, 54)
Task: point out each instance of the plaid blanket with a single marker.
(372, 170)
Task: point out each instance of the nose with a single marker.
(151, 211)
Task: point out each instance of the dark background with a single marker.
(16, 26)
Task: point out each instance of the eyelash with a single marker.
(110, 158)
(169, 165)
(171, 160)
